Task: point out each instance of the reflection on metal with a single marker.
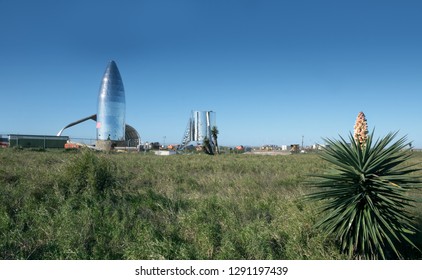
(111, 106)
(199, 127)
(111, 111)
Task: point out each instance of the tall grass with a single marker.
(87, 205)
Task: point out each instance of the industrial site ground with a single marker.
(83, 205)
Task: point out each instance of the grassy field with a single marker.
(87, 205)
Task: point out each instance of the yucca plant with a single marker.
(365, 195)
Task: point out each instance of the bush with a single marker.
(89, 172)
(366, 196)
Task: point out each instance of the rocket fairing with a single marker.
(111, 106)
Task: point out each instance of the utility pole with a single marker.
(302, 142)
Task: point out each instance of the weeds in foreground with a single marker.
(87, 205)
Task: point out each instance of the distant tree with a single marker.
(214, 133)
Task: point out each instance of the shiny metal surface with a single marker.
(199, 126)
(202, 123)
(111, 106)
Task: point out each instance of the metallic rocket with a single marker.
(111, 112)
(111, 106)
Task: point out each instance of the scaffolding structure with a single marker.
(198, 128)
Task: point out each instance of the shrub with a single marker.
(366, 195)
(90, 172)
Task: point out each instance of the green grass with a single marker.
(86, 205)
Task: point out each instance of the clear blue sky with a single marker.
(273, 71)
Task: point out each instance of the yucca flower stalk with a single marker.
(365, 195)
(361, 129)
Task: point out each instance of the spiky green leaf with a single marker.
(365, 195)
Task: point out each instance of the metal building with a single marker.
(34, 141)
(199, 127)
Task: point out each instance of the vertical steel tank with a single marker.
(202, 123)
(111, 106)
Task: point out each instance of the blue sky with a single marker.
(273, 71)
